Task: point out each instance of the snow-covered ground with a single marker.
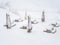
(17, 36)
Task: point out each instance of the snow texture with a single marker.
(34, 8)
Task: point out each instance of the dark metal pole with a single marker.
(43, 17)
(29, 24)
(8, 21)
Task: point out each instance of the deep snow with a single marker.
(17, 36)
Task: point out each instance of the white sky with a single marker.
(35, 4)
